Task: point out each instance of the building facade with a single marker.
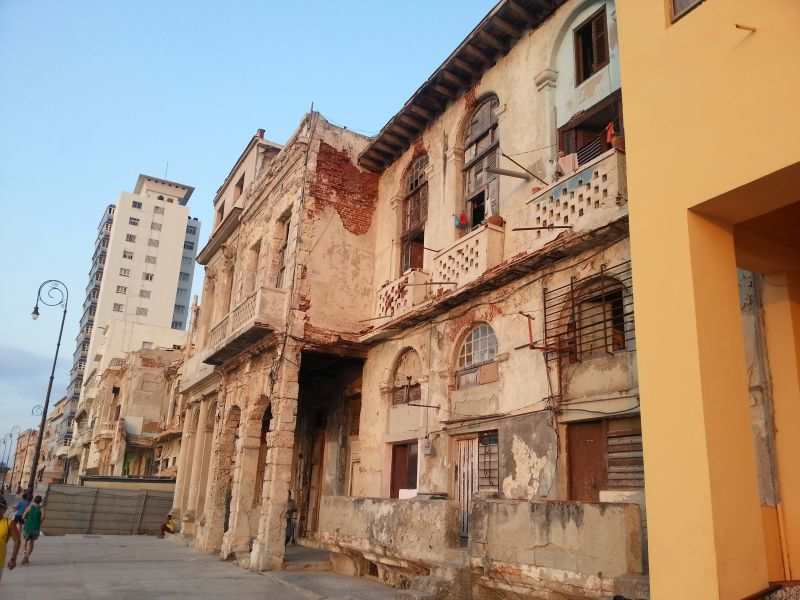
(23, 460)
(55, 444)
(718, 353)
(139, 291)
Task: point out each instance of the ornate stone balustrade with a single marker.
(401, 295)
(469, 258)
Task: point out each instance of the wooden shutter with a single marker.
(625, 456)
(599, 41)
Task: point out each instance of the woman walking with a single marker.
(8, 529)
(33, 519)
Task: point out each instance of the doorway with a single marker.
(404, 469)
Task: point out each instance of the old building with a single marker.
(55, 444)
(133, 398)
(288, 280)
(713, 180)
(427, 337)
(23, 459)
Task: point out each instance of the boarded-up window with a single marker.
(406, 379)
(481, 144)
(625, 456)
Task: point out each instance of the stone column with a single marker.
(269, 548)
(198, 476)
(184, 471)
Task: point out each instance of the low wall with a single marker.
(417, 531)
(566, 547)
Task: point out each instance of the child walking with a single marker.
(33, 519)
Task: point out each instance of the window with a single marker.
(184, 276)
(591, 47)
(476, 356)
(161, 198)
(188, 245)
(121, 289)
(158, 210)
(129, 237)
(488, 462)
(280, 279)
(681, 7)
(117, 307)
(136, 204)
(155, 226)
(127, 254)
(147, 345)
(152, 243)
(600, 320)
(147, 276)
(406, 387)
(177, 324)
(133, 221)
(191, 230)
(141, 311)
(125, 272)
(180, 308)
(415, 212)
(150, 260)
(220, 213)
(144, 293)
(593, 131)
(237, 191)
(183, 291)
(480, 155)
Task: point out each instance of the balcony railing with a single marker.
(468, 259)
(397, 297)
(259, 314)
(594, 195)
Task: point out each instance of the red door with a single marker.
(587, 460)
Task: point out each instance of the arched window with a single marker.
(481, 148)
(478, 350)
(406, 387)
(415, 213)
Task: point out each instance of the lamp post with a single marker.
(57, 295)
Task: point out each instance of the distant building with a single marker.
(23, 459)
(139, 288)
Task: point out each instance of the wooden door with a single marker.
(587, 460)
(315, 483)
(466, 479)
(404, 468)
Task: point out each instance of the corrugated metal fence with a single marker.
(75, 509)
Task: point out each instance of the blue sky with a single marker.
(96, 92)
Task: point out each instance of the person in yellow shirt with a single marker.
(8, 529)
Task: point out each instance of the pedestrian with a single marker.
(8, 529)
(21, 507)
(169, 526)
(32, 525)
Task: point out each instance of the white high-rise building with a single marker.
(143, 285)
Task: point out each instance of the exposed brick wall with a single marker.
(344, 187)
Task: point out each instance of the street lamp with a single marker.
(57, 295)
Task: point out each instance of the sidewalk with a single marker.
(88, 567)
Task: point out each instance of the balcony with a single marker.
(469, 258)
(594, 195)
(263, 312)
(397, 297)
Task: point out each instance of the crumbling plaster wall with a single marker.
(529, 457)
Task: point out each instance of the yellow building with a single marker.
(713, 142)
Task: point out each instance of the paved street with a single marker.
(79, 567)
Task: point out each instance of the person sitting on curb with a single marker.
(8, 529)
(32, 527)
(169, 526)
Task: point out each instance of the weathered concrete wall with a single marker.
(565, 547)
(418, 531)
